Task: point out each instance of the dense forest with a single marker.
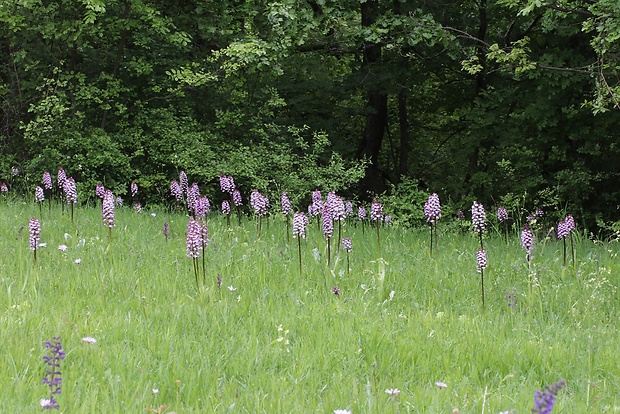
(511, 102)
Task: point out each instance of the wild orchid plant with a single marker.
(376, 215)
(432, 213)
(315, 208)
(71, 194)
(39, 197)
(338, 211)
(502, 219)
(48, 186)
(226, 211)
(107, 211)
(327, 220)
(565, 230)
(194, 244)
(479, 221)
(238, 202)
(348, 247)
(34, 228)
(285, 203)
(260, 204)
(361, 215)
(300, 222)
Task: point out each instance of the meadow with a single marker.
(267, 339)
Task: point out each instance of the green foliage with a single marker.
(487, 99)
(89, 158)
(298, 165)
(517, 58)
(405, 202)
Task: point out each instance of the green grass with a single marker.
(281, 343)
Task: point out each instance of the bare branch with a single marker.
(572, 70)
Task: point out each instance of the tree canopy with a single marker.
(503, 101)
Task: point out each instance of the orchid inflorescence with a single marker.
(107, 209)
(432, 208)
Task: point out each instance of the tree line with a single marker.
(511, 102)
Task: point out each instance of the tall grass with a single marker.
(266, 343)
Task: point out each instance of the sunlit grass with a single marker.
(269, 340)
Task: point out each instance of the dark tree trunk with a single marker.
(376, 107)
(403, 122)
(481, 84)
(119, 56)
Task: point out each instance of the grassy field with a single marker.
(270, 340)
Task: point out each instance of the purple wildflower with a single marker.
(460, 214)
(346, 243)
(61, 178)
(14, 171)
(317, 197)
(202, 207)
(538, 212)
(194, 238)
(193, 193)
(338, 208)
(47, 181)
(183, 181)
(432, 208)
(348, 208)
(255, 200)
(285, 203)
(107, 209)
(502, 214)
(259, 202)
(119, 201)
(328, 222)
(204, 234)
(570, 223)
(225, 207)
(175, 190)
(52, 376)
(544, 401)
(137, 207)
(336, 291)
(134, 189)
(527, 240)
(300, 221)
(35, 233)
(316, 207)
(227, 184)
(562, 230)
(361, 213)
(481, 260)
(387, 219)
(219, 281)
(236, 196)
(100, 190)
(4, 188)
(511, 300)
(165, 231)
(312, 212)
(478, 217)
(376, 210)
(330, 199)
(70, 190)
(39, 195)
